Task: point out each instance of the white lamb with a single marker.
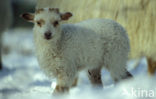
(65, 49)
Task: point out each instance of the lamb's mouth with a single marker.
(48, 37)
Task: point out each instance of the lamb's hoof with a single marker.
(59, 90)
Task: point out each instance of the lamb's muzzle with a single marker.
(48, 35)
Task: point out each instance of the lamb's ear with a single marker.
(66, 16)
(28, 16)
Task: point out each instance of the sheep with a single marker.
(5, 19)
(135, 15)
(63, 50)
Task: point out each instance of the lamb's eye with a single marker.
(39, 23)
(55, 23)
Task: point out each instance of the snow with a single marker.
(22, 78)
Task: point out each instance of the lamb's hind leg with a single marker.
(95, 76)
(127, 75)
(118, 75)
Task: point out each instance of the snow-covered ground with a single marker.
(22, 78)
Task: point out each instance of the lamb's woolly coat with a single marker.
(88, 44)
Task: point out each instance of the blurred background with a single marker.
(17, 8)
(15, 33)
(21, 73)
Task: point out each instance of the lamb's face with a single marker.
(47, 21)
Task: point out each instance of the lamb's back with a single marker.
(88, 40)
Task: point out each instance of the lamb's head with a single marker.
(47, 21)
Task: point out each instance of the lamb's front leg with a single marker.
(65, 81)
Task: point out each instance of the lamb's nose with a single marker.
(48, 35)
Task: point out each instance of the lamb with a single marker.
(63, 50)
(5, 19)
